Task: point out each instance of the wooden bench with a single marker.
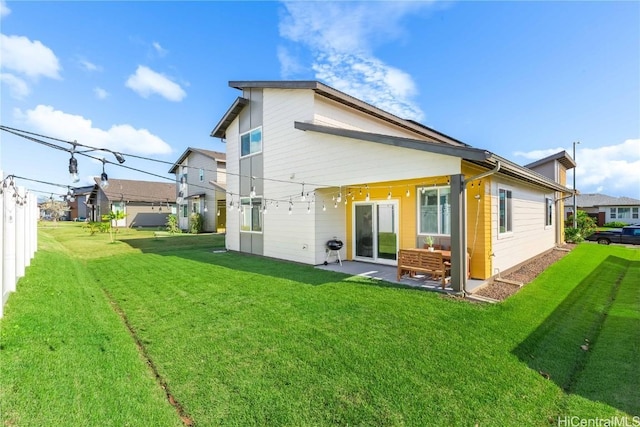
(413, 262)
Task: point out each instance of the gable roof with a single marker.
(594, 200)
(217, 156)
(136, 191)
(327, 92)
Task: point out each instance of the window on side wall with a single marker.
(548, 211)
(435, 211)
(185, 211)
(505, 222)
(251, 214)
(612, 213)
(634, 213)
(251, 142)
(201, 175)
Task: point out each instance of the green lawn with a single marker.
(242, 340)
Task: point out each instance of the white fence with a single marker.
(19, 235)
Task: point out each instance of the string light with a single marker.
(73, 169)
(104, 179)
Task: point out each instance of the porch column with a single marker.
(458, 233)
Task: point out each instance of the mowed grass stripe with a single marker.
(66, 358)
(613, 372)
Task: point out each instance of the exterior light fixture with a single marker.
(104, 179)
(73, 169)
(119, 157)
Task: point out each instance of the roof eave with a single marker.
(221, 128)
(415, 144)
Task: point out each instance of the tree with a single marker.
(111, 217)
(55, 209)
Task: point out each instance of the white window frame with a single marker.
(440, 211)
(252, 150)
(251, 206)
(508, 215)
(634, 213)
(201, 174)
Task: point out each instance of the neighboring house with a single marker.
(201, 188)
(145, 203)
(78, 209)
(606, 209)
(307, 163)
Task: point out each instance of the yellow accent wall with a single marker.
(407, 206)
(478, 222)
(478, 214)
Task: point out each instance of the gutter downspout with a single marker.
(463, 246)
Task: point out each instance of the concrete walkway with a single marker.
(388, 273)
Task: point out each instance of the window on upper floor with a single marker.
(201, 175)
(435, 210)
(251, 142)
(505, 216)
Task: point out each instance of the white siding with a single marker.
(331, 113)
(322, 161)
(530, 236)
(233, 183)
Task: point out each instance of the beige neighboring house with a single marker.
(145, 203)
(605, 209)
(307, 163)
(200, 187)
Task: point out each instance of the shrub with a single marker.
(172, 224)
(195, 223)
(585, 226)
(615, 224)
(572, 235)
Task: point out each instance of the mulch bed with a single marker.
(523, 275)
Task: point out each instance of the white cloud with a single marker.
(18, 88)
(122, 137)
(611, 169)
(89, 66)
(4, 9)
(146, 82)
(31, 58)
(159, 49)
(100, 93)
(342, 36)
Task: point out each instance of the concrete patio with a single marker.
(388, 273)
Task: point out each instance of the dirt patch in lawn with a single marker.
(508, 284)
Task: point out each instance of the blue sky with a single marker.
(521, 79)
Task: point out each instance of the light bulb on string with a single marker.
(104, 179)
(73, 169)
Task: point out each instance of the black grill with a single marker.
(334, 245)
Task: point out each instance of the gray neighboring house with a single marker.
(606, 209)
(79, 209)
(145, 203)
(201, 184)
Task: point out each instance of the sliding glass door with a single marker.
(375, 228)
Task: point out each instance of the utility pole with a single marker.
(575, 211)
